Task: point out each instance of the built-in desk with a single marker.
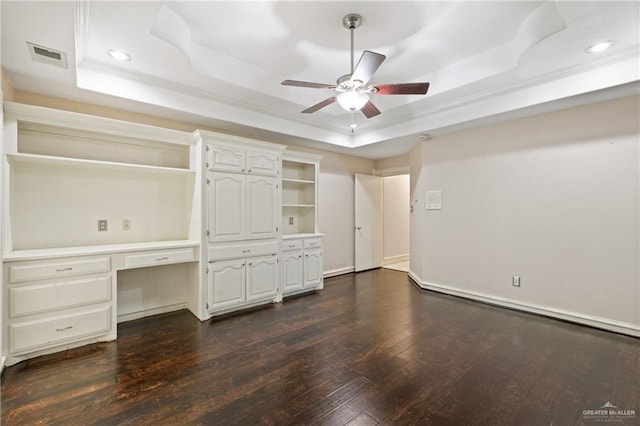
(65, 297)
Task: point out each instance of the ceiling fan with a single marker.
(353, 92)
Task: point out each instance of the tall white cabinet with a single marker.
(301, 239)
(243, 210)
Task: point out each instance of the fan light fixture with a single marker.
(353, 101)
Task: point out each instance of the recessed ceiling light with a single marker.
(599, 47)
(119, 55)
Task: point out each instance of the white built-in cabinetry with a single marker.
(301, 240)
(65, 282)
(204, 221)
(243, 187)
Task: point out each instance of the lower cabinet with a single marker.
(243, 281)
(301, 265)
(54, 303)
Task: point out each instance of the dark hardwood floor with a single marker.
(371, 348)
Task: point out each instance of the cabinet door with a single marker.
(226, 287)
(292, 267)
(226, 204)
(227, 158)
(262, 277)
(312, 268)
(263, 204)
(263, 163)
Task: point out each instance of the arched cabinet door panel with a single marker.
(226, 207)
(226, 283)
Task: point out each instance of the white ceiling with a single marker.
(220, 64)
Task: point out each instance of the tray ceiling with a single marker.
(220, 64)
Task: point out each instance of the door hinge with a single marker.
(277, 186)
(207, 165)
(207, 147)
(207, 306)
(207, 233)
(208, 181)
(276, 229)
(206, 270)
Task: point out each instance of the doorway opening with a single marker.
(382, 206)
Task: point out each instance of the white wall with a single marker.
(395, 216)
(553, 199)
(336, 200)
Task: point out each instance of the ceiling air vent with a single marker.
(47, 55)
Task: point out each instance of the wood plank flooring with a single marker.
(371, 348)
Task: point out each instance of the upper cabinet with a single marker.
(225, 157)
(300, 173)
(243, 188)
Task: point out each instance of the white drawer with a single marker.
(58, 295)
(159, 257)
(310, 243)
(291, 245)
(28, 336)
(40, 271)
(233, 251)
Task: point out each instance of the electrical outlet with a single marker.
(515, 281)
(290, 220)
(126, 224)
(102, 225)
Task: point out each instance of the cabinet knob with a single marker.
(249, 170)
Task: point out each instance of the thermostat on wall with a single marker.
(434, 200)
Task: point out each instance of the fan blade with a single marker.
(319, 105)
(402, 89)
(368, 64)
(369, 110)
(308, 84)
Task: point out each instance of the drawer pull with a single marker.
(64, 269)
(69, 327)
(162, 258)
(292, 245)
(246, 251)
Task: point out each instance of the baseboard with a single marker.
(575, 317)
(149, 312)
(395, 259)
(340, 271)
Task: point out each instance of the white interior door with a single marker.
(368, 230)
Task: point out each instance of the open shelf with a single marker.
(75, 162)
(297, 181)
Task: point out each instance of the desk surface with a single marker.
(51, 253)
